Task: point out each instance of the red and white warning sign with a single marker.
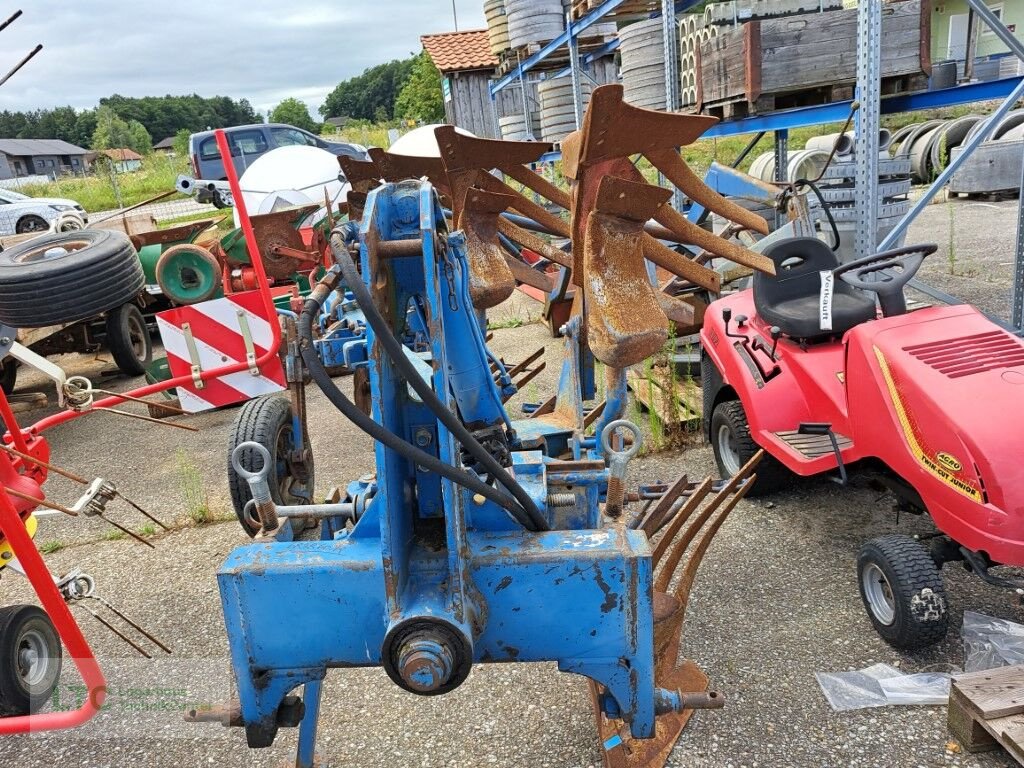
(214, 334)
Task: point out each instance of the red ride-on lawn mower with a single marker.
(926, 402)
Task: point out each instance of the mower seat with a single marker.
(790, 298)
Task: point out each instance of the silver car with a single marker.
(21, 214)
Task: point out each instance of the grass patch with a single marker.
(147, 530)
(96, 193)
(49, 547)
(506, 322)
(193, 491)
(225, 225)
(115, 535)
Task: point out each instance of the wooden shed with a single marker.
(467, 67)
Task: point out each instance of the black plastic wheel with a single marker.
(67, 277)
(733, 447)
(8, 374)
(32, 657)
(902, 591)
(268, 421)
(128, 339)
(31, 223)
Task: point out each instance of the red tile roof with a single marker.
(121, 154)
(455, 51)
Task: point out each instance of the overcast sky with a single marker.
(262, 50)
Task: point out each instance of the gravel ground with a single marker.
(776, 601)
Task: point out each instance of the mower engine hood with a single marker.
(954, 382)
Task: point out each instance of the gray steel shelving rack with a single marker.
(870, 108)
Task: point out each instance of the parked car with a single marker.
(21, 214)
(249, 142)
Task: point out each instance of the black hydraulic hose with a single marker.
(393, 347)
(379, 433)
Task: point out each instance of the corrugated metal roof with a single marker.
(167, 143)
(456, 51)
(28, 147)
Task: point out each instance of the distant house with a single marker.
(166, 146)
(40, 157)
(467, 66)
(124, 160)
(950, 30)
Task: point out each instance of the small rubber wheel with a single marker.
(32, 657)
(8, 374)
(67, 277)
(188, 274)
(128, 339)
(31, 223)
(733, 447)
(268, 421)
(902, 591)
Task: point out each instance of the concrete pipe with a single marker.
(953, 134)
(763, 167)
(805, 164)
(533, 21)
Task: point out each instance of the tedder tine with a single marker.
(620, 749)
(664, 578)
(659, 506)
(680, 517)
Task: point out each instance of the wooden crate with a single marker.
(986, 710)
(809, 59)
(681, 407)
(631, 8)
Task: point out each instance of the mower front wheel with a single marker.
(903, 592)
(733, 447)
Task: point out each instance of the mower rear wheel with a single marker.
(268, 421)
(32, 656)
(902, 591)
(128, 339)
(733, 447)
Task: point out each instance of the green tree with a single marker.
(181, 142)
(371, 95)
(421, 97)
(112, 132)
(293, 112)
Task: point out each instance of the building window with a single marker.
(49, 163)
(997, 10)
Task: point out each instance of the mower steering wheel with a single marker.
(886, 274)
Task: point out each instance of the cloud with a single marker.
(262, 50)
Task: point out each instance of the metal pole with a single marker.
(671, 45)
(574, 71)
(455, 16)
(869, 121)
(782, 156)
(1017, 318)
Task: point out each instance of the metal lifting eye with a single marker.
(236, 461)
(606, 440)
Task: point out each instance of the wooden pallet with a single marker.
(738, 107)
(652, 392)
(986, 710)
(645, 8)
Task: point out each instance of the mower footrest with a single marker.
(813, 446)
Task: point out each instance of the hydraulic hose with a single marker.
(379, 433)
(393, 347)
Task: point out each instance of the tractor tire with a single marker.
(903, 592)
(733, 447)
(32, 658)
(267, 421)
(8, 374)
(128, 339)
(65, 278)
(31, 223)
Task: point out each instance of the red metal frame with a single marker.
(28, 479)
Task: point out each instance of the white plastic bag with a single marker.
(990, 642)
(858, 689)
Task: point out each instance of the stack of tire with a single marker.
(930, 144)
(533, 21)
(513, 128)
(642, 49)
(558, 107)
(66, 278)
(497, 26)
